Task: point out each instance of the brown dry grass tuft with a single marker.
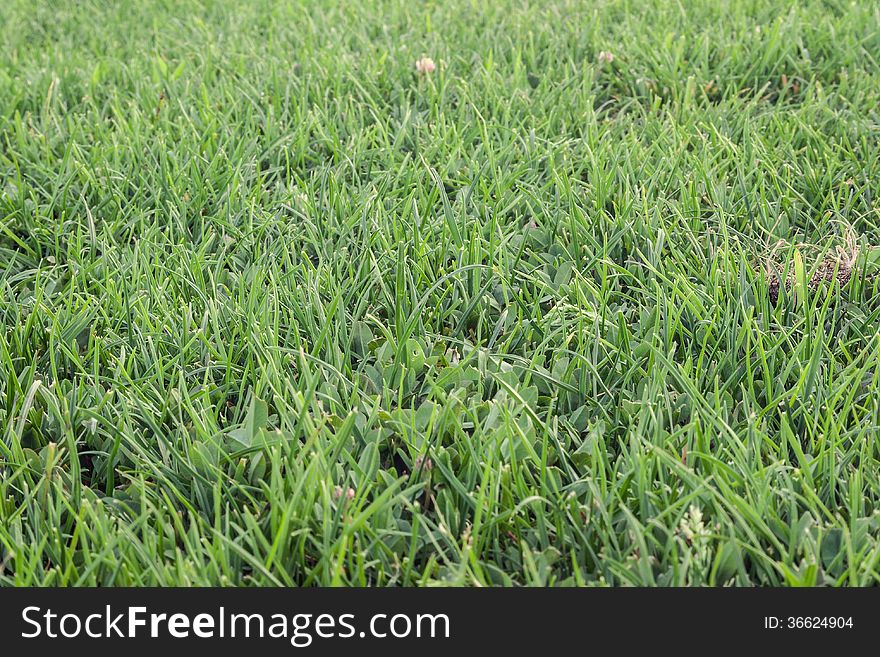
(837, 267)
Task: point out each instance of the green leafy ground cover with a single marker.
(276, 308)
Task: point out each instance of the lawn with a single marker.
(593, 300)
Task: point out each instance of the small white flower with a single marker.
(425, 65)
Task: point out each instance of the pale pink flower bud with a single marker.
(338, 493)
(425, 65)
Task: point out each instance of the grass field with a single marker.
(277, 308)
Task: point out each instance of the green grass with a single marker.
(250, 259)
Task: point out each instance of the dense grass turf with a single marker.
(278, 309)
